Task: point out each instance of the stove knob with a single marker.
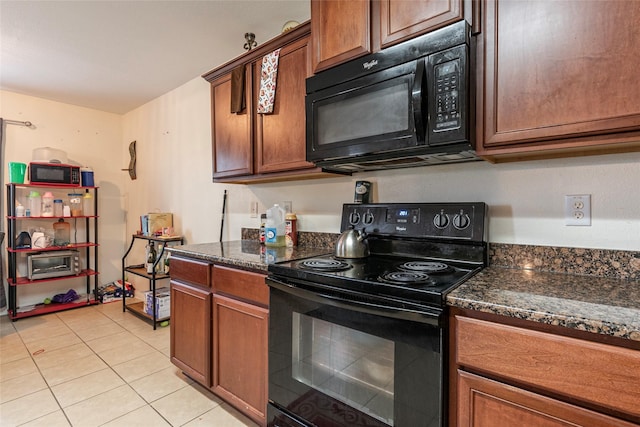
(461, 220)
(368, 218)
(354, 218)
(441, 220)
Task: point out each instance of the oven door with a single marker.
(336, 360)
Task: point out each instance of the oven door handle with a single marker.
(425, 315)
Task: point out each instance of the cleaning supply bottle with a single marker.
(274, 227)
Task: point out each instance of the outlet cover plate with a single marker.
(577, 209)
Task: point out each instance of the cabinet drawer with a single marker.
(242, 284)
(596, 373)
(191, 271)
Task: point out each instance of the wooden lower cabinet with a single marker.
(219, 331)
(191, 331)
(486, 403)
(239, 361)
(518, 373)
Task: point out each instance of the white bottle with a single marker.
(275, 226)
(47, 204)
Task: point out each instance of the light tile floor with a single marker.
(98, 366)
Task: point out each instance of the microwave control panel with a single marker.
(447, 95)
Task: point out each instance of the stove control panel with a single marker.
(419, 220)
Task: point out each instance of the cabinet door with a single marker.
(557, 75)
(403, 19)
(191, 331)
(339, 31)
(280, 136)
(231, 132)
(240, 355)
(486, 403)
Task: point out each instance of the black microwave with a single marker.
(407, 105)
(54, 174)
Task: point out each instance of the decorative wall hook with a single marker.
(251, 41)
(132, 162)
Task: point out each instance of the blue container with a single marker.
(86, 174)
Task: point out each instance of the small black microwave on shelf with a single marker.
(407, 105)
(54, 174)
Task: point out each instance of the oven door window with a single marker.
(353, 367)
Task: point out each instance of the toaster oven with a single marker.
(44, 265)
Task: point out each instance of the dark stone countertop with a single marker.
(245, 254)
(587, 303)
(582, 302)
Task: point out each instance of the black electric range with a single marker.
(363, 342)
(419, 252)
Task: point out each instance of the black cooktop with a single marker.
(419, 253)
(417, 280)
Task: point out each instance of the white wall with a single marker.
(526, 199)
(92, 138)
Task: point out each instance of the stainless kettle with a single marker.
(352, 244)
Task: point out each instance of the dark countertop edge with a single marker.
(464, 297)
(572, 322)
(245, 254)
(229, 261)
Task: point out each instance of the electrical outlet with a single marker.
(254, 209)
(577, 209)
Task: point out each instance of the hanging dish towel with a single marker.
(237, 90)
(268, 82)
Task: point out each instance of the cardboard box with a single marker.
(113, 291)
(159, 221)
(163, 302)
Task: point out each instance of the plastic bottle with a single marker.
(274, 227)
(61, 233)
(57, 207)
(87, 204)
(35, 204)
(47, 204)
(75, 202)
(20, 210)
(263, 224)
(291, 230)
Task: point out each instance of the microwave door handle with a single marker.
(418, 99)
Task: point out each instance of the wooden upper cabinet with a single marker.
(231, 133)
(280, 136)
(339, 31)
(558, 76)
(342, 30)
(403, 19)
(249, 147)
